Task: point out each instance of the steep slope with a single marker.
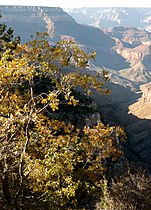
(124, 51)
(134, 45)
(131, 35)
(131, 43)
(28, 20)
(142, 108)
(138, 132)
(112, 17)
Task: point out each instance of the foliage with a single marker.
(130, 191)
(66, 166)
(7, 40)
(40, 157)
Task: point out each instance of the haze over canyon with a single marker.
(121, 38)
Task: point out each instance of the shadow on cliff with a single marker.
(115, 110)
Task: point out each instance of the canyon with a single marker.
(123, 47)
(105, 18)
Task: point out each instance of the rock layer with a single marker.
(142, 108)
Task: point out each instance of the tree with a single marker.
(42, 158)
(7, 40)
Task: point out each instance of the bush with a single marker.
(129, 191)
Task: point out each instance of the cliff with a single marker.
(124, 51)
(134, 45)
(105, 18)
(28, 20)
(142, 108)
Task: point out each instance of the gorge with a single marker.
(122, 47)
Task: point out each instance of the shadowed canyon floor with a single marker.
(138, 143)
(124, 50)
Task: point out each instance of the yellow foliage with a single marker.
(52, 158)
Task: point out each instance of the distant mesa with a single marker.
(122, 40)
(124, 50)
(28, 20)
(113, 17)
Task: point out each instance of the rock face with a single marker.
(131, 35)
(135, 117)
(140, 140)
(112, 17)
(124, 51)
(142, 108)
(28, 20)
(135, 46)
(146, 97)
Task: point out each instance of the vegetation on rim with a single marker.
(44, 162)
